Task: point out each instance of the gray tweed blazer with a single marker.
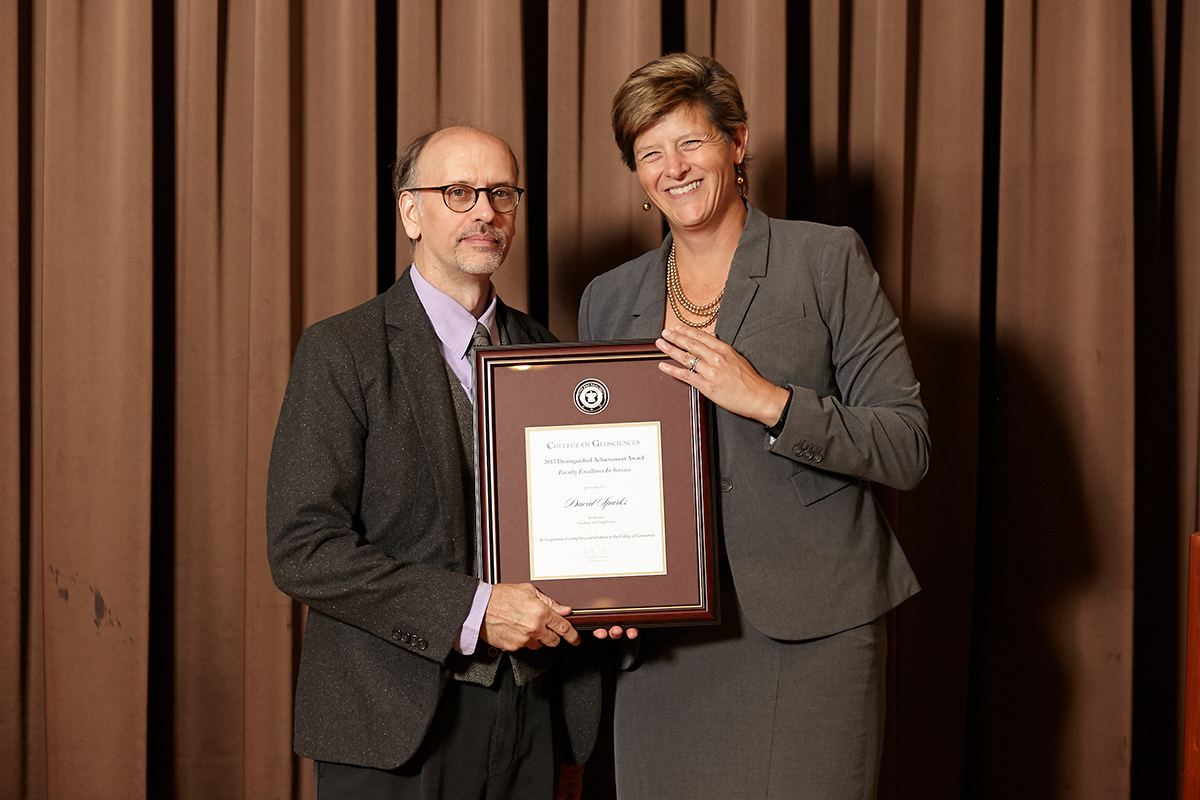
(810, 550)
(367, 524)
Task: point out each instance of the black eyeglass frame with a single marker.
(476, 189)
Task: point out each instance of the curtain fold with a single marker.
(927, 236)
(1059, 596)
(185, 186)
(92, 340)
(595, 218)
(275, 272)
(211, 308)
(1186, 251)
(750, 39)
(13, 390)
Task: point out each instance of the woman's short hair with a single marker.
(660, 86)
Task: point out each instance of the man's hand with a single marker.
(615, 632)
(518, 615)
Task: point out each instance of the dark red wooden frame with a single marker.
(509, 386)
(1191, 697)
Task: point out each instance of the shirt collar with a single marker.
(452, 323)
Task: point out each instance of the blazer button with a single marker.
(421, 643)
(492, 652)
(396, 635)
(405, 638)
(726, 485)
(817, 458)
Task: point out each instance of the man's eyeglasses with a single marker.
(462, 198)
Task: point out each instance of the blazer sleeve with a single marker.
(317, 545)
(875, 428)
(583, 326)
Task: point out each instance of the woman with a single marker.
(783, 326)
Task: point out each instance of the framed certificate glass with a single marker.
(594, 482)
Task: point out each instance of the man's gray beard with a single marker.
(494, 259)
(488, 267)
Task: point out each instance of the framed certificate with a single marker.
(594, 482)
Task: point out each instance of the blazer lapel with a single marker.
(510, 326)
(414, 349)
(749, 264)
(647, 309)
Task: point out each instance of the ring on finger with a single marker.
(692, 363)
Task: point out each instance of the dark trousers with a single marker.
(487, 742)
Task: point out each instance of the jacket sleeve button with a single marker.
(726, 485)
(396, 635)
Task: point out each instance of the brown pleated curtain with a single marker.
(184, 187)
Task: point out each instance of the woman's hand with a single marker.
(721, 374)
(615, 632)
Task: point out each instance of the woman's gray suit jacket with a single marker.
(367, 524)
(810, 550)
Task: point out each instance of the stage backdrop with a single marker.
(185, 186)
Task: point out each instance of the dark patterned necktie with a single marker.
(481, 339)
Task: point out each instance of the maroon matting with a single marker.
(534, 386)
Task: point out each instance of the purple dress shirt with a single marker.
(455, 326)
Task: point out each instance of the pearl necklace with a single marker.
(677, 298)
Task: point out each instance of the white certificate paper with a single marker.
(595, 501)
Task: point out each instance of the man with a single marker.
(417, 680)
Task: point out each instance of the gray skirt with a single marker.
(723, 711)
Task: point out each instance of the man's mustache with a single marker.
(483, 229)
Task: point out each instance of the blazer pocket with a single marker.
(812, 485)
(764, 325)
(794, 350)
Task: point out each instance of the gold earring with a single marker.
(646, 203)
(738, 169)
